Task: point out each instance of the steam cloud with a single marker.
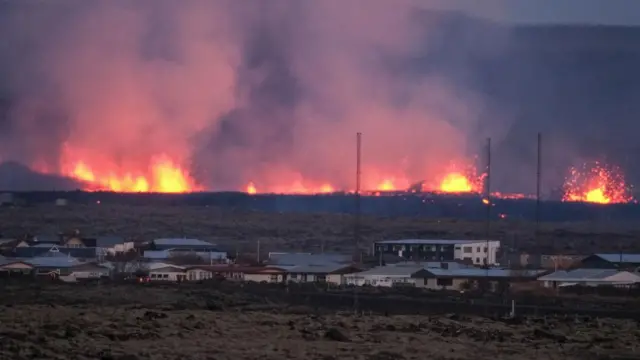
(265, 90)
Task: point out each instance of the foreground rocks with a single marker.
(130, 323)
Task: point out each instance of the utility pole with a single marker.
(538, 185)
(488, 189)
(488, 219)
(258, 252)
(356, 229)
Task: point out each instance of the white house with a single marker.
(385, 276)
(590, 277)
(166, 272)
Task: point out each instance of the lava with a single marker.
(456, 183)
(164, 176)
(596, 183)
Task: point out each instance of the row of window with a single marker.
(469, 249)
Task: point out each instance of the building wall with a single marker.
(422, 252)
(441, 284)
(335, 279)
(379, 280)
(121, 247)
(477, 252)
(271, 278)
(199, 274)
(90, 274)
(165, 276)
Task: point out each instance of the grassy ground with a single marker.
(333, 232)
(139, 322)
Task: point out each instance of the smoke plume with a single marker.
(271, 92)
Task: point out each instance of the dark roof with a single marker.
(30, 252)
(619, 258)
(109, 241)
(236, 269)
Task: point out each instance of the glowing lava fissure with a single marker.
(596, 183)
(450, 182)
(163, 176)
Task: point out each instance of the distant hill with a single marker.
(17, 177)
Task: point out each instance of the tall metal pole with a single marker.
(488, 189)
(538, 184)
(356, 232)
(489, 204)
(356, 229)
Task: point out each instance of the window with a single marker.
(486, 250)
(468, 249)
(273, 278)
(444, 282)
(153, 276)
(477, 260)
(294, 276)
(478, 249)
(457, 248)
(165, 276)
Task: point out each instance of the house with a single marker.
(611, 261)
(237, 273)
(88, 271)
(385, 276)
(478, 252)
(297, 259)
(329, 273)
(60, 265)
(465, 278)
(590, 277)
(166, 272)
(182, 244)
(8, 243)
(210, 257)
(46, 249)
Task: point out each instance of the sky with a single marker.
(609, 12)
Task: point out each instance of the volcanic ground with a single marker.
(241, 230)
(200, 321)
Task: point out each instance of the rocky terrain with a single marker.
(129, 322)
(239, 231)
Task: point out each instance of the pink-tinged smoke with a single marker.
(212, 95)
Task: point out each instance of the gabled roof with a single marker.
(298, 259)
(390, 270)
(431, 242)
(52, 262)
(580, 275)
(473, 272)
(238, 269)
(615, 258)
(315, 269)
(182, 242)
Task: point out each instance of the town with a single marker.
(421, 263)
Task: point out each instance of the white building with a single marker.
(166, 272)
(590, 277)
(385, 276)
(477, 252)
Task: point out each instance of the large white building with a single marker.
(478, 252)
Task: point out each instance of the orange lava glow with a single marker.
(456, 183)
(596, 183)
(163, 176)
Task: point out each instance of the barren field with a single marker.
(331, 232)
(128, 322)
